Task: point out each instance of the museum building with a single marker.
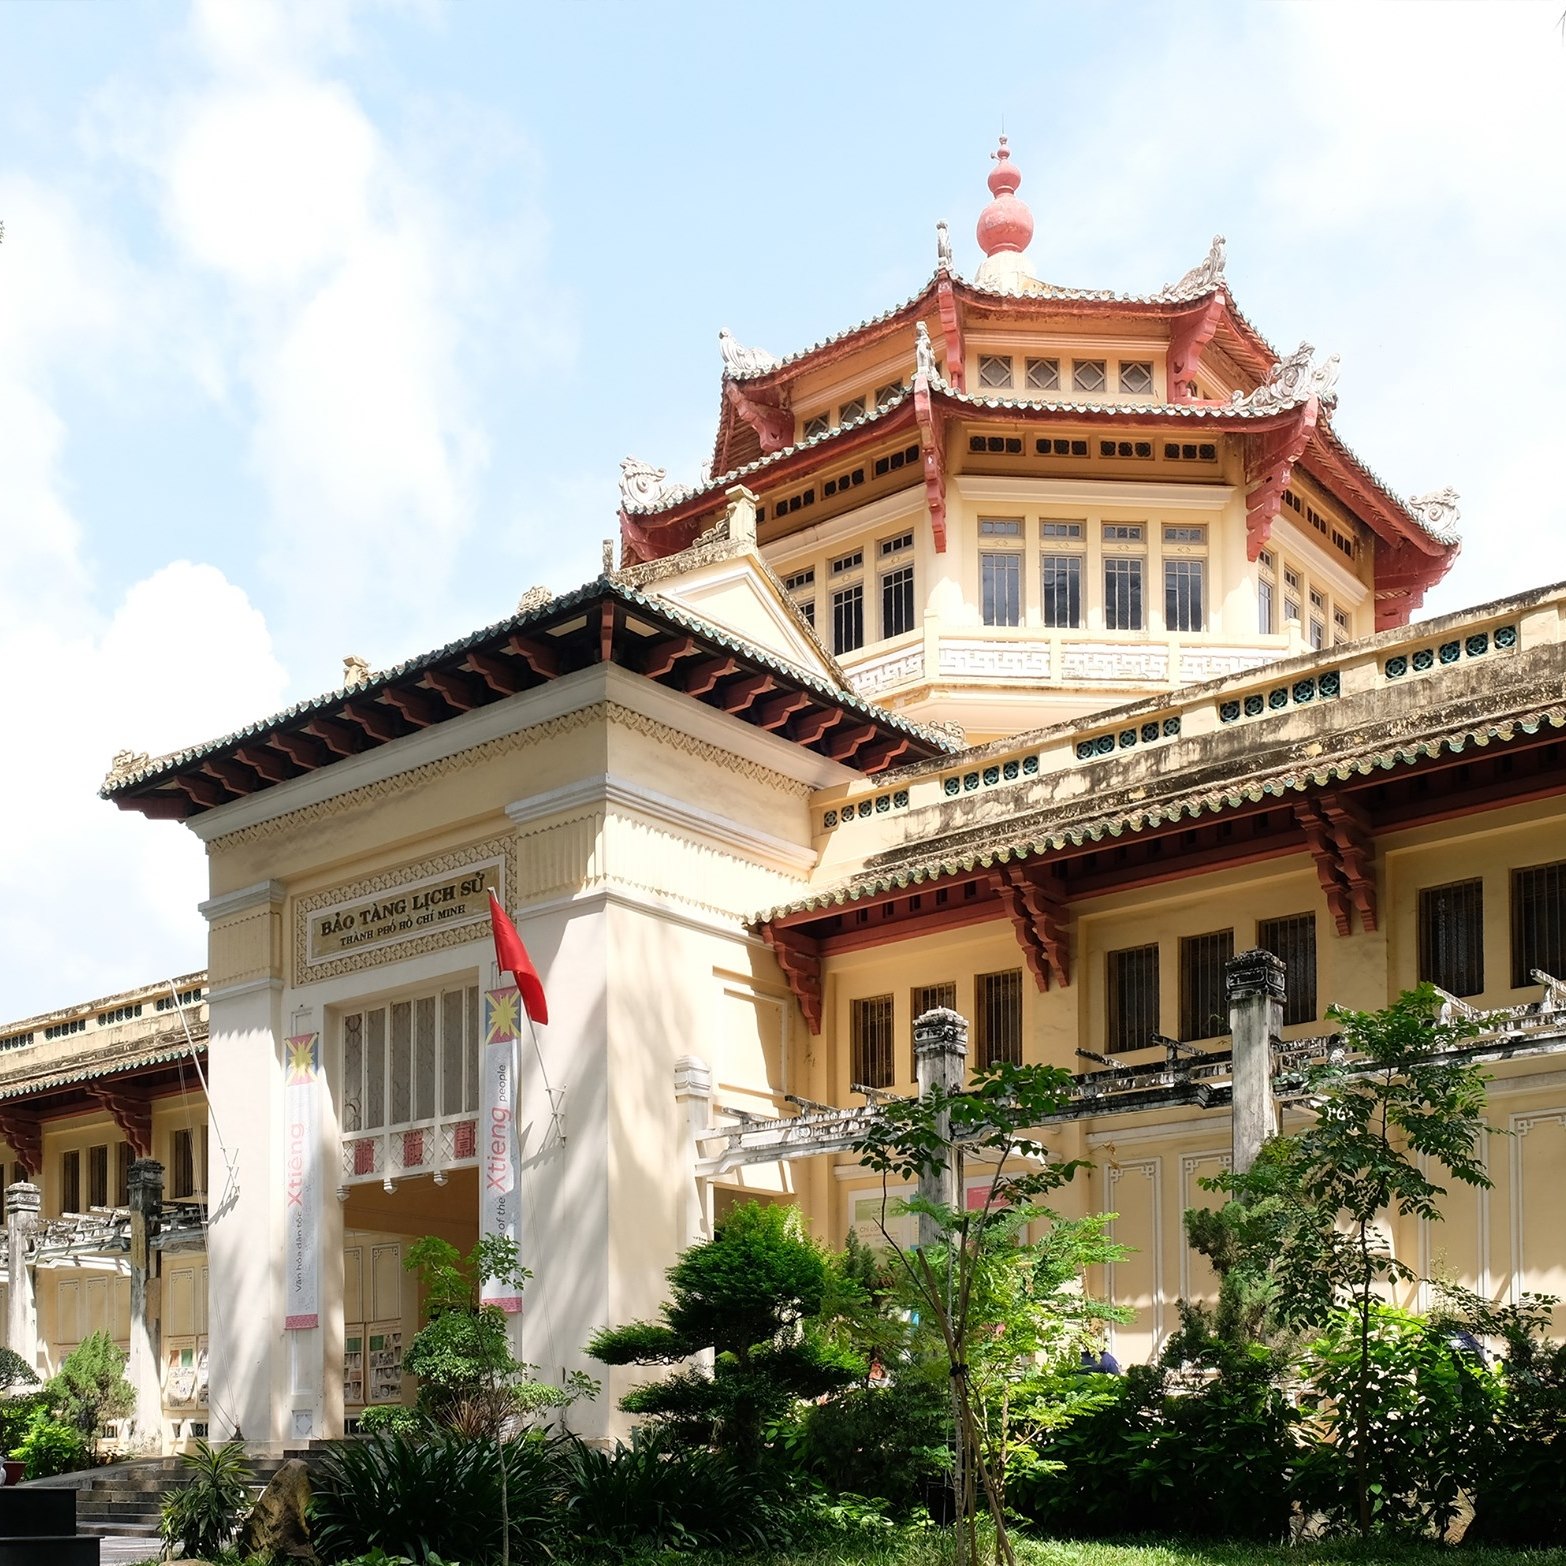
(1030, 652)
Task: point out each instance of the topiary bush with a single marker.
(90, 1386)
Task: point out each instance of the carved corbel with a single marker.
(133, 1116)
(1403, 575)
(951, 330)
(1040, 919)
(800, 959)
(932, 447)
(1268, 471)
(1339, 838)
(773, 425)
(25, 1135)
(1189, 334)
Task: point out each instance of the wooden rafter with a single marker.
(1189, 334)
(662, 656)
(541, 658)
(800, 959)
(452, 687)
(847, 740)
(809, 729)
(300, 749)
(1039, 917)
(265, 762)
(703, 676)
(132, 1113)
(932, 451)
(25, 1135)
(203, 791)
(738, 695)
(337, 737)
(374, 719)
(774, 714)
(951, 331)
(774, 426)
(419, 710)
(236, 777)
(1337, 832)
(498, 673)
(1269, 466)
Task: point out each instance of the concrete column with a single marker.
(21, 1218)
(146, 1314)
(693, 1095)
(940, 1056)
(1255, 984)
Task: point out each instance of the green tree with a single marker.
(90, 1386)
(752, 1296)
(914, 1139)
(1394, 1102)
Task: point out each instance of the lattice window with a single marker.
(1088, 375)
(998, 1008)
(885, 394)
(1123, 593)
(1061, 590)
(1185, 584)
(897, 601)
(994, 371)
(1131, 1002)
(1001, 584)
(1043, 374)
(817, 424)
(1136, 375)
(1538, 922)
(412, 1062)
(1204, 1005)
(1292, 940)
(870, 1057)
(853, 409)
(1451, 936)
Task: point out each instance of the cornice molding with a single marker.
(804, 545)
(1094, 493)
(262, 894)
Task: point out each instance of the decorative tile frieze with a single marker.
(1198, 665)
(1134, 735)
(1296, 693)
(1084, 661)
(881, 674)
(1443, 655)
(994, 660)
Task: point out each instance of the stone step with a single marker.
(50, 1550)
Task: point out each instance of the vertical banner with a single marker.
(500, 1206)
(302, 1183)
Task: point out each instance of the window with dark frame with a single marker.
(98, 1175)
(1292, 940)
(1204, 1002)
(1061, 590)
(870, 1043)
(1451, 937)
(182, 1165)
(1122, 593)
(1131, 1001)
(1538, 922)
(1001, 583)
(124, 1155)
(928, 997)
(897, 601)
(71, 1182)
(998, 1008)
(848, 618)
(994, 371)
(1184, 591)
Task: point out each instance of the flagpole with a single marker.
(556, 1096)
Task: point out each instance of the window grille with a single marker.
(1043, 374)
(848, 618)
(1123, 593)
(870, 1042)
(884, 394)
(819, 424)
(98, 1175)
(1184, 582)
(71, 1181)
(412, 1061)
(1062, 590)
(1292, 940)
(1204, 1003)
(897, 601)
(1132, 998)
(1088, 375)
(1538, 922)
(1451, 937)
(994, 371)
(124, 1155)
(929, 997)
(1136, 376)
(1002, 588)
(998, 1004)
(187, 1162)
(854, 409)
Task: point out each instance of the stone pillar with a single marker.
(693, 1095)
(141, 1368)
(940, 1055)
(1255, 984)
(21, 1218)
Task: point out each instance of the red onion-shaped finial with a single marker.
(1006, 223)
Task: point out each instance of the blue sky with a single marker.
(324, 327)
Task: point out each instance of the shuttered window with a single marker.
(1204, 1006)
(71, 1182)
(1538, 922)
(870, 1061)
(98, 1175)
(1451, 937)
(1292, 941)
(1132, 999)
(998, 1001)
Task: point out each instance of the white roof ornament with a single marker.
(943, 247)
(1437, 513)
(740, 361)
(126, 764)
(356, 672)
(642, 485)
(924, 353)
(1201, 279)
(534, 598)
(1293, 380)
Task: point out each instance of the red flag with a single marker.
(511, 957)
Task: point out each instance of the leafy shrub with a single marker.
(50, 1447)
(396, 1418)
(16, 1414)
(435, 1493)
(15, 1371)
(203, 1513)
(888, 1442)
(90, 1386)
(656, 1494)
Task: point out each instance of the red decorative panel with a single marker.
(364, 1158)
(465, 1139)
(412, 1149)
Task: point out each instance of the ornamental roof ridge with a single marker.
(158, 987)
(717, 483)
(682, 619)
(149, 1053)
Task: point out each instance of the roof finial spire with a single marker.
(1005, 227)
